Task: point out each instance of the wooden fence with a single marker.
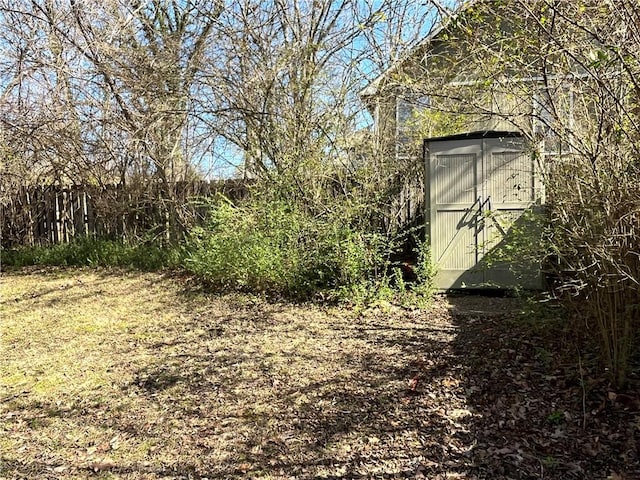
(44, 215)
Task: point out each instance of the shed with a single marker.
(478, 185)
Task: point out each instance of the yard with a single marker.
(113, 374)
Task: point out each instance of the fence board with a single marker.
(42, 215)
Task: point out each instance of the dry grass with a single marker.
(117, 375)
(120, 375)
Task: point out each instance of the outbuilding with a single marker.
(478, 187)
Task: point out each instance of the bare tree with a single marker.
(102, 91)
(284, 88)
(270, 80)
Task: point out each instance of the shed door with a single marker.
(467, 179)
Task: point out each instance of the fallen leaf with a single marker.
(616, 476)
(114, 443)
(503, 451)
(459, 413)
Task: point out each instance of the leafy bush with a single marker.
(274, 247)
(425, 272)
(524, 246)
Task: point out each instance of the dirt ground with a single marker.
(120, 375)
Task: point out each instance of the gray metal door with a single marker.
(476, 189)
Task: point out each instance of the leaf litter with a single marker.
(112, 374)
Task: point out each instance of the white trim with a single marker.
(541, 78)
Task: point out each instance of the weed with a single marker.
(556, 417)
(550, 462)
(544, 355)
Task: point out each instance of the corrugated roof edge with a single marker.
(476, 135)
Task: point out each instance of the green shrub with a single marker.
(88, 251)
(275, 247)
(262, 246)
(423, 289)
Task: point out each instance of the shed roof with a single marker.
(476, 135)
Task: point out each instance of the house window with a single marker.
(406, 109)
(553, 117)
(543, 116)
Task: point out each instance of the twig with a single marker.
(584, 394)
